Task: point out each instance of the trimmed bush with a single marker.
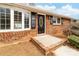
(74, 40)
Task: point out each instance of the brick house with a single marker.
(18, 20)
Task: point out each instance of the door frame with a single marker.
(45, 23)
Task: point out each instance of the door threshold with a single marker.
(41, 34)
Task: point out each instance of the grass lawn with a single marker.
(20, 49)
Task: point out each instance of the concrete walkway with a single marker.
(66, 51)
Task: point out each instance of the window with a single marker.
(26, 20)
(33, 21)
(17, 20)
(4, 18)
(56, 21)
(14, 18)
(51, 19)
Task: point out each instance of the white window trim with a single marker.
(30, 20)
(12, 23)
(56, 21)
(22, 20)
(12, 19)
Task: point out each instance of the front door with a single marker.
(41, 24)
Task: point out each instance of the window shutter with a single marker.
(62, 20)
(33, 20)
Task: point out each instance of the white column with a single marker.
(12, 19)
(22, 20)
(29, 20)
(45, 23)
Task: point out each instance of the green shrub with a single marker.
(74, 40)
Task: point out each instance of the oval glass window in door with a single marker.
(41, 21)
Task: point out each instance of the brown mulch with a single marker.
(21, 49)
(24, 48)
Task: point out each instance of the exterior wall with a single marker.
(56, 30)
(10, 36)
(15, 35)
(50, 29)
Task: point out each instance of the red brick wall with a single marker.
(56, 30)
(9, 36)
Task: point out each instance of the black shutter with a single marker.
(33, 20)
(51, 19)
(62, 20)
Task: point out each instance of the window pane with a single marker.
(54, 20)
(2, 10)
(17, 25)
(26, 20)
(17, 20)
(20, 13)
(7, 15)
(7, 11)
(58, 20)
(2, 21)
(15, 17)
(20, 18)
(2, 15)
(4, 18)
(7, 21)
(33, 23)
(51, 19)
(2, 26)
(27, 26)
(7, 26)
(15, 12)
(33, 20)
